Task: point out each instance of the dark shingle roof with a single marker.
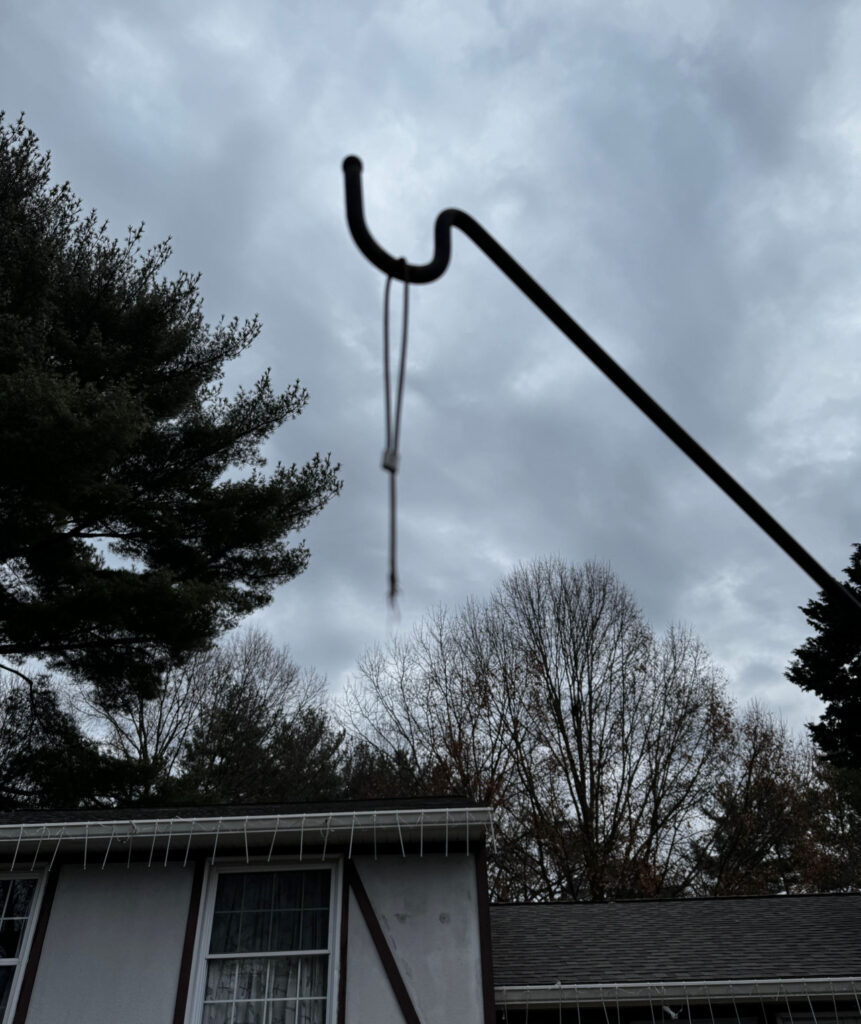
(677, 940)
(230, 810)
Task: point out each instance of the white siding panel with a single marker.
(428, 910)
(369, 995)
(113, 946)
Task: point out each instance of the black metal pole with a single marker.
(425, 273)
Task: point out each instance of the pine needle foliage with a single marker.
(828, 664)
(137, 523)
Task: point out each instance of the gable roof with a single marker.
(656, 941)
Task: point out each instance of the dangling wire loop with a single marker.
(391, 456)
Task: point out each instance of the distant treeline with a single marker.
(616, 762)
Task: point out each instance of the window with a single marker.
(268, 949)
(16, 903)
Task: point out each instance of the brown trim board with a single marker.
(342, 955)
(383, 951)
(484, 945)
(188, 943)
(35, 954)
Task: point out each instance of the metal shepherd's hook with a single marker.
(427, 272)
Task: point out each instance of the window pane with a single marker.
(225, 933)
(316, 893)
(315, 929)
(282, 1013)
(283, 977)
(10, 937)
(229, 893)
(312, 975)
(311, 1011)
(5, 984)
(252, 978)
(258, 891)
(4, 891)
(286, 930)
(217, 1013)
(220, 979)
(288, 889)
(254, 932)
(20, 897)
(249, 1013)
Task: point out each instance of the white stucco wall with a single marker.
(114, 941)
(369, 994)
(428, 910)
(113, 946)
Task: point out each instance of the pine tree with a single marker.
(829, 665)
(136, 522)
(45, 758)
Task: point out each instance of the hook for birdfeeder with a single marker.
(427, 272)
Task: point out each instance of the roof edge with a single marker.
(639, 992)
(462, 822)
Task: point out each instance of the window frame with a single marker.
(20, 962)
(334, 864)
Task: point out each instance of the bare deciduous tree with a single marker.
(431, 702)
(553, 701)
(149, 738)
(630, 730)
(779, 819)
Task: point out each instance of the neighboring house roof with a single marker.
(658, 941)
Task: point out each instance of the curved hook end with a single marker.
(397, 268)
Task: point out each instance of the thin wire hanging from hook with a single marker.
(391, 457)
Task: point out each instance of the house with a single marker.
(302, 914)
(376, 912)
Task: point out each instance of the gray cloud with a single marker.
(681, 176)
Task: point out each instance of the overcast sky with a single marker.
(684, 177)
